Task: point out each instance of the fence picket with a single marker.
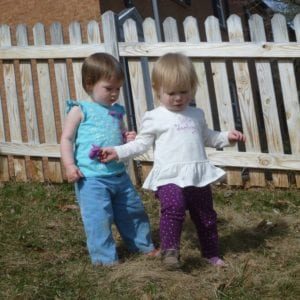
(289, 88)
(60, 68)
(111, 41)
(136, 82)
(111, 46)
(297, 27)
(202, 97)
(4, 167)
(27, 89)
(44, 86)
(4, 173)
(110, 33)
(93, 33)
(245, 99)
(36, 165)
(221, 87)
(150, 36)
(149, 30)
(170, 30)
(297, 31)
(12, 106)
(268, 99)
(136, 74)
(75, 39)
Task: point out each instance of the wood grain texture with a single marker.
(268, 99)
(222, 91)
(32, 95)
(245, 99)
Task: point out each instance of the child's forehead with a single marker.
(175, 87)
(175, 91)
(111, 81)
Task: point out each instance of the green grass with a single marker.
(43, 253)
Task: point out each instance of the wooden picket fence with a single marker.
(36, 78)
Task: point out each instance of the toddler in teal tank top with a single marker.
(101, 126)
(104, 192)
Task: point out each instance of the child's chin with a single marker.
(177, 108)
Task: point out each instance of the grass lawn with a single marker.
(43, 254)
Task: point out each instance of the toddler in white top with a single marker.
(181, 173)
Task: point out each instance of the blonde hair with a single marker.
(100, 66)
(174, 72)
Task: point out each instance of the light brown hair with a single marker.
(174, 72)
(100, 66)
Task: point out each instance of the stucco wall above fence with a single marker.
(246, 84)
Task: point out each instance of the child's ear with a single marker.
(156, 94)
(89, 88)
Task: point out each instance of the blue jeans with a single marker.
(107, 200)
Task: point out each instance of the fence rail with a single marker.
(141, 49)
(247, 84)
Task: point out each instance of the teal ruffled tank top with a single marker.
(101, 126)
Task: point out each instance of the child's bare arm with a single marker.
(66, 144)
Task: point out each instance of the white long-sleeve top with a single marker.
(179, 140)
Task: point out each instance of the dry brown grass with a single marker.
(43, 254)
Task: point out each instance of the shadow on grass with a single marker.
(246, 239)
(241, 239)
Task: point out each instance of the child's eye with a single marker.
(109, 89)
(174, 93)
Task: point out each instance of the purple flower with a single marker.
(94, 152)
(113, 113)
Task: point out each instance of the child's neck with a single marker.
(101, 103)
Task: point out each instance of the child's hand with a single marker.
(129, 136)
(73, 173)
(108, 154)
(236, 136)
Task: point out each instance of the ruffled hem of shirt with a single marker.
(185, 174)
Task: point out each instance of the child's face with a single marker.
(106, 91)
(175, 100)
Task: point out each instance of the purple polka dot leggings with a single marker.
(174, 201)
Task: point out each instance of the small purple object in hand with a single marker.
(113, 113)
(94, 152)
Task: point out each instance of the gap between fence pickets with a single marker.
(272, 161)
